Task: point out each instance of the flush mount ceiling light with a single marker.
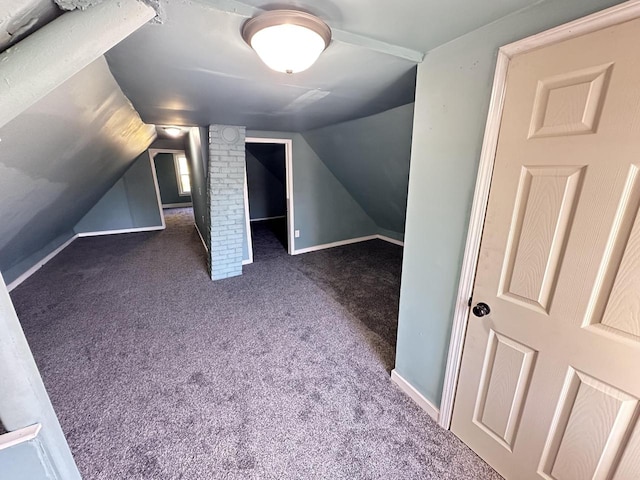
(288, 41)
(172, 131)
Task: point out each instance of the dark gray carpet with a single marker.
(158, 373)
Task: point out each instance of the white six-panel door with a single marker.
(550, 378)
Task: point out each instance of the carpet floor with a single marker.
(283, 373)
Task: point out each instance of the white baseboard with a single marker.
(334, 244)
(124, 230)
(40, 264)
(204, 244)
(416, 396)
(49, 257)
(247, 262)
(390, 240)
(17, 437)
(348, 242)
(177, 205)
(267, 218)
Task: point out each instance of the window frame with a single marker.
(179, 174)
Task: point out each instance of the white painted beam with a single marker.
(242, 9)
(48, 57)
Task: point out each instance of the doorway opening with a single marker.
(268, 198)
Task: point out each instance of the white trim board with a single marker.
(152, 152)
(177, 205)
(415, 395)
(40, 264)
(122, 230)
(267, 218)
(288, 158)
(390, 240)
(201, 237)
(335, 244)
(17, 437)
(48, 258)
(348, 242)
(606, 18)
(247, 217)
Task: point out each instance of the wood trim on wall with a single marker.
(606, 18)
(288, 154)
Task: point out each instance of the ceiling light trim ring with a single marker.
(274, 18)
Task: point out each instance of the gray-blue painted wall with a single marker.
(324, 210)
(168, 180)
(370, 156)
(58, 158)
(452, 100)
(130, 204)
(267, 192)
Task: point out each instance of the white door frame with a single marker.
(152, 155)
(288, 154)
(597, 21)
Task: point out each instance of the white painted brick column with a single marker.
(226, 199)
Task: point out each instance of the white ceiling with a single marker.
(193, 68)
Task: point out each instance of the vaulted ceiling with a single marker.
(194, 67)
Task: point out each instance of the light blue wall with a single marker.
(25, 461)
(267, 193)
(370, 156)
(58, 158)
(131, 203)
(452, 100)
(324, 210)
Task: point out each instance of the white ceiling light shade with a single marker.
(173, 131)
(287, 41)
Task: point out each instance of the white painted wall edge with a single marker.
(177, 205)
(40, 264)
(612, 16)
(248, 261)
(16, 437)
(204, 244)
(116, 232)
(78, 37)
(50, 257)
(267, 218)
(415, 395)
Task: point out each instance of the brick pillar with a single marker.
(226, 199)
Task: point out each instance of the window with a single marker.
(182, 174)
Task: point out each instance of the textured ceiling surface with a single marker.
(19, 18)
(195, 69)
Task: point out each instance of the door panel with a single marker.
(503, 387)
(545, 204)
(549, 382)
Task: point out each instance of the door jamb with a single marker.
(597, 21)
(288, 154)
(152, 155)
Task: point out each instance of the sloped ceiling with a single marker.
(195, 69)
(370, 156)
(271, 156)
(18, 18)
(60, 156)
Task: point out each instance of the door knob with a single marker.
(481, 309)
